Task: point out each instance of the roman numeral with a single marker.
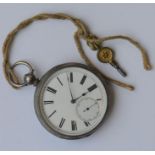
(94, 86)
(51, 90)
(52, 113)
(86, 124)
(48, 102)
(62, 122)
(71, 77)
(83, 79)
(59, 81)
(74, 125)
(99, 99)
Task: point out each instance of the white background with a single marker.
(131, 122)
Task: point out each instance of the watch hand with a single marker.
(70, 89)
(84, 94)
(89, 107)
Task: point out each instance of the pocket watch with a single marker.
(71, 100)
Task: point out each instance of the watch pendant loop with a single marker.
(28, 79)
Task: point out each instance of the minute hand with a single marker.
(70, 88)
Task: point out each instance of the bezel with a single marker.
(37, 104)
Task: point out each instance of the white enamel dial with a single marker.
(73, 101)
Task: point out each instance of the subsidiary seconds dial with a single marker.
(71, 101)
(88, 109)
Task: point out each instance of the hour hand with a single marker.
(74, 100)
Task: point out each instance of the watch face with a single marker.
(71, 101)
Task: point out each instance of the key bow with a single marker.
(105, 55)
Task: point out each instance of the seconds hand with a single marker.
(89, 107)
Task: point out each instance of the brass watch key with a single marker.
(105, 55)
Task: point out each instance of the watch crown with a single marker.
(30, 79)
